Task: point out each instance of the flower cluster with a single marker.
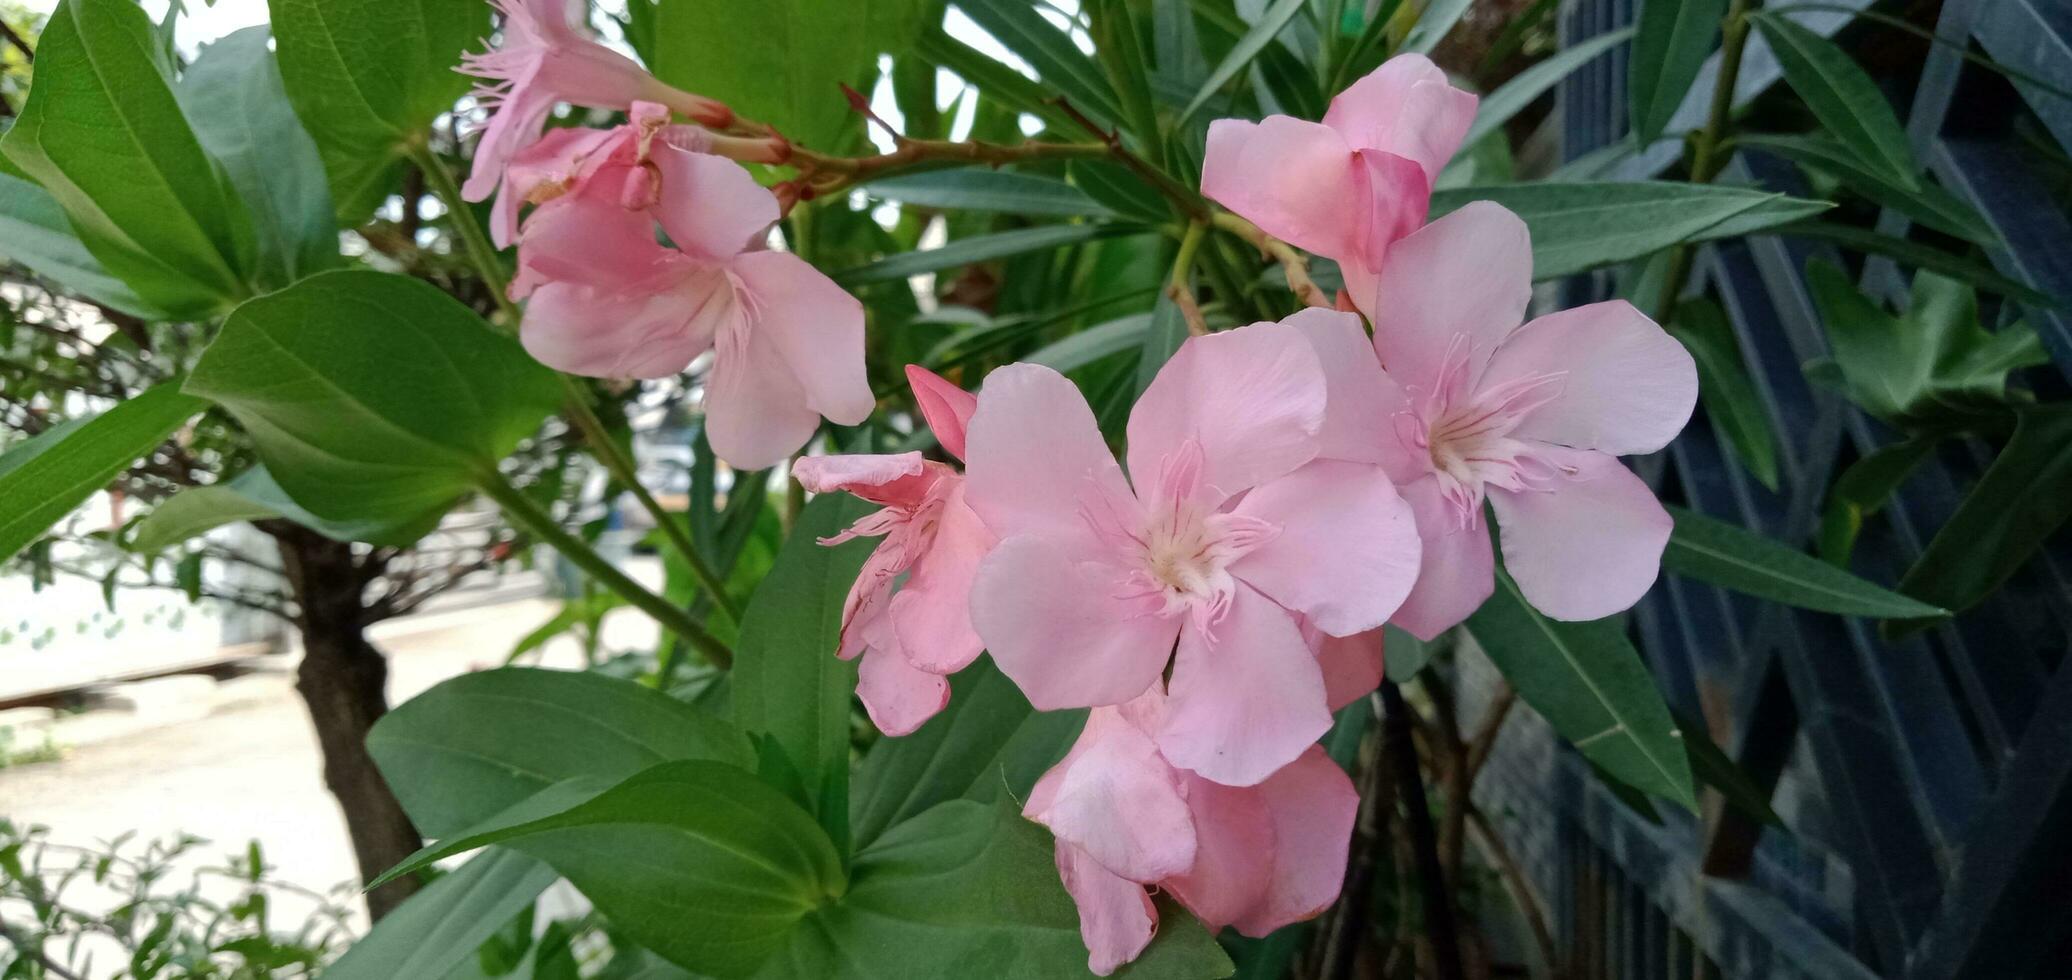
(1286, 488)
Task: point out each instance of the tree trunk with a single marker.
(344, 682)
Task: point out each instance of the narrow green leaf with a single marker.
(1730, 557)
(1715, 768)
(1842, 96)
(1921, 257)
(1590, 684)
(191, 513)
(1121, 191)
(1019, 27)
(484, 741)
(1928, 204)
(1674, 38)
(1729, 394)
(1862, 490)
(1513, 96)
(989, 190)
(1123, 58)
(1437, 22)
(1263, 32)
(2023, 498)
(1162, 338)
(979, 248)
(999, 82)
(1583, 226)
(34, 233)
(441, 927)
(1094, 343)
(43, 479)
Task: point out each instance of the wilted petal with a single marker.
(1116, 917)
(1590, 546)
(1246, 701)
(1312, 806)
(898, 479)
(1058, 630)
(1458, 571)
(1468, 274)
(1347, 551)
(932, 614)
(552, 160)
(1251, 398)
(1627, 386)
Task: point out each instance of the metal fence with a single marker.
(1925, 786)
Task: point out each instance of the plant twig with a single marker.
(1191, 203)
(1522, 892)
(1709, 153)
(1178, 288)
(1292, 263)
(1437, 897)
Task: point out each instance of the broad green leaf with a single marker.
(1432, 27)
(1842, 96)
(1920, 256)
(971, 890)
(1090, 345)
(981, 248)
(191, 513)
(973, 189)
(1862, 490)
(1162, 338)
(783, 62)
(1715, 768)
(241, 114)
(102, 132)
(2023, 498)
(698, 861)
(1673, 39)
(788, 684)
(1018, 26)
(43, 479)
(1730, 397)
(373, 396)
(1590, 684)
(1583, 226)
(441, 927)
(392, 531)
(1263, 32)
(481, 742)
(367, 77)
(1513, 96)
(34, 233)
(1730, 557)
(1928, 204)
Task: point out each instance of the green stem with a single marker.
(522, 511)
(479, 250)
(1710, 148)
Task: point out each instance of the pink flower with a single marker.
(1256, 858)
(910, 641)
(1230, 532)
(607, 300)
(545, 59)
(1530, 418)
(1347, 187)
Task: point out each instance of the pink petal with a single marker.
(587, 238)
(1290, 177)
(1233, 865)
(514, 124)
(932, 614)
(1058, 631)
(897, 695)
(1397, 195)
(602, 334)
(814, 326)
(899, 479)
(710, 206)
(1458, 571)
(1629, 389)
(1116, 916)
(1360, 399)
(1252, 398)
(756, 413)
(865, 611)
(1347, 552)
(551, 160)
(1312, 806)
(1034, 452)
(1118, 800)
(1588, 548)
(1246, 700)
(1468, 274)
(1405, 107)
(947, 407)
(1352, 665)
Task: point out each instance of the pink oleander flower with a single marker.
(1256, 858)
(912, 640)
(608, 300)
(1474, 407)
(1227, 534)
(1346, 187)
(546, 58)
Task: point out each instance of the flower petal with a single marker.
(711, 206)
(1468, 274)
(1312, 806)
(586, 238)
(1034, 452)
(756, 413)
(1458, 571)
(603, 334)
(1352, 665)
(1057, 630)
(898, 695)
(932, 614)
(947, 407)
(1288, 176)
(815, 326)
(1347, 552)
(898, 479)
(1118, 800)
(1397, 196)
(1405, 107)
(1116, 917)
(1251, 398)
(1588, 548)
(1247, 700)
(1233, 864)
(1630, 387)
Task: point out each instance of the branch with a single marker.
(8, 34)
(1522, 893)
(1191, 203)
(1292, 262)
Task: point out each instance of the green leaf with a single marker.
(1674, 38)
(1842, 96)
(698, 861)
(1263, 32)
(367, 77)
(104, 135)
(259, 487)
(484, 741)
(1090, 345)
(241, 115)
(1437, 22)
(1928, 204)
(979, 248)
(1714, 551)
(788, 684)
(1583, 226)
(1162, 338)
(191, 513)
(1730, 397)
(1019, 27)
(1862, 490)
(1590, 684)
(1123, 192)
(441, 927)
(34, 233)
(1921, 257)
(998, 82)
(1513, 96)
(1123, 59)
(1715, 768)
(373, 396)
(1404, 655)
(989, 190)
(971, 890)
(783, 63)
(2023, 498)
(43, 479)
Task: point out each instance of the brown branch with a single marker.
(1522, 892)
(1189, 201)
(1291, 261)
(1484, 741)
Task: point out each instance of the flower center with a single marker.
(1466, 431)
(1175, 552)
